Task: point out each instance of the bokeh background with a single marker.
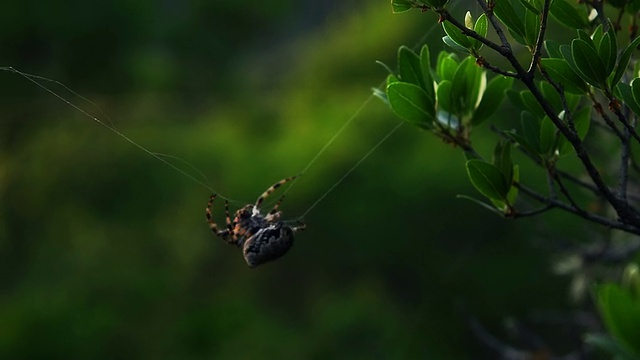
(105, 252)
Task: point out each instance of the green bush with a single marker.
(577, 98)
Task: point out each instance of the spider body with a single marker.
(262, 238)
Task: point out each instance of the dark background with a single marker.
(105, 252)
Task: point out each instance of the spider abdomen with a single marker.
(268, 243)
(262, 238)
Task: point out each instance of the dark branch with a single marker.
(485, 64)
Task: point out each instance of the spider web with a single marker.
(106, 122)
(39, 81)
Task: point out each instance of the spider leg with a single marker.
(272, 189)
(228, 217)
(207, 212)
(224, 234)
(274, 214)
(275, 208)
(301, 226)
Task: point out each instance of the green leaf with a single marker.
(551, 95)
(391, 79)
(621, 314)
(482, 204)
(446, 66)
(409, 67)
(530, 7)
(553, 48)
(582, 121)
(425, 65)
(608, 52)
(635, 89)
(532, 27)
(532, 104)
(411, 103)
(481, 27)
(523, 143)
(502, 160)
(568, 15)
(624, 61)
(582, 35)
(596, 36)
(454, 45)
(517, 37)
(565, 51)
(444, 97)
(381, 94)
(512, 195)
(516, 99)
(629, 100)
(466, 86)
(547, 136)
(507, 14)
(487, 179)
(573, 101)
(560, 71)
(588, 63)
(491, 99)
(400, 6)
(456, 35)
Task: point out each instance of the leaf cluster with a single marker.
(555, 96)
(575, 99)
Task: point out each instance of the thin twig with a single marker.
(537, 50)
(569, 208)
(598, 6)
(550, 184)
(568, 115)
(485, 64)
(566, 193)
(606, 118)
(614, 106)
(616, 25)
(495, 24)
(561, 173)
(532, 212)
(626, 213)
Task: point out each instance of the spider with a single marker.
(262, 238)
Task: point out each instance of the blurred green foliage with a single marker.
(105, 252)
